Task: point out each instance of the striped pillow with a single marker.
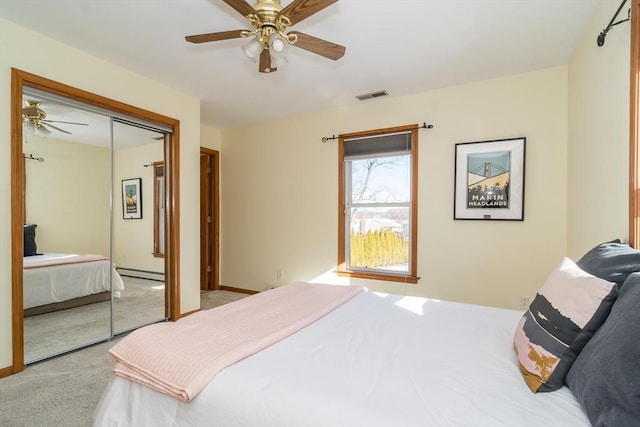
(564, 315)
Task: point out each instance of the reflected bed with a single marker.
(55, 281)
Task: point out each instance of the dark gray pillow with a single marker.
(611, 261)
(30, 247)
(605, 378)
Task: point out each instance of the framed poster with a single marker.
(489, 180)
(132, 198)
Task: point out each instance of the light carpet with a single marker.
(141, 303)
(65, 391)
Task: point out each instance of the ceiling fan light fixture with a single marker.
(277, 45)
(37, 130)
(252, 49)
(278, 61)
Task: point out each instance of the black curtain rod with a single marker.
(32, 157)
(423, 126)
(603, 34)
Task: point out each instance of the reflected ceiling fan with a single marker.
(35, 120)
(269, 37)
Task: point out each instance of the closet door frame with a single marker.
(21, 79)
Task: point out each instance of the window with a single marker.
(378, 209)
(158, 209)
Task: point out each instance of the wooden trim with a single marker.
(215, 210)
(412, 277)
(5, 372)
(61, 89)
(172, 250)
(376, 132)
(17, 221)
(156, 203)
(239, 290)
(216, 219)
(20, 79)
(414, 205)
(341, 208)
(188, 313)
(385, 277)
(634, 127)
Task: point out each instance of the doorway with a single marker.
(209, 219)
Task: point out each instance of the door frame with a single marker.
(20, 79)
(214, 238)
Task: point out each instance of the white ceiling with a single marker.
(402, 46)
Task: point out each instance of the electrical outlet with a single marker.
(524, 302)
(279, 274)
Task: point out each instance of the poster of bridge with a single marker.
(489, 180)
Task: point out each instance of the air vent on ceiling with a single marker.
(372, 95)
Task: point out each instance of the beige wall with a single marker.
(210, 137)
(279, 204)
(67, 196)
(598, 170)
(133, 238)
(40, 55)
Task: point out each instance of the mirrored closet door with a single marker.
(138, 224)
(95, 224)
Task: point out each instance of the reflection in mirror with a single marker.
(94, 226)
(65, 192)
(158, 209)
(138, 181)
(67, 273)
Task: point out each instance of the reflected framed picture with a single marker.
(132, 198)
(489, 180)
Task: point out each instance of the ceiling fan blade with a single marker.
(45, 125)
(212, 37)
(67, 123)
(318, 46)
(298, 10)
(265, 62)
(241, 6)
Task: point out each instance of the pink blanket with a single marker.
(71, 259)
(182, 357)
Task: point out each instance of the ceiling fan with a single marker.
(35, 119)
(269, 37)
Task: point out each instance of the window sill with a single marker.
(379, 276)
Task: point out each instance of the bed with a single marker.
(373, 359)
(54, 281)
(376, 360)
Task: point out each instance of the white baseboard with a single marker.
(141, 274)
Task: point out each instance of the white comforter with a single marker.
(378, 360)
(46, 285)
